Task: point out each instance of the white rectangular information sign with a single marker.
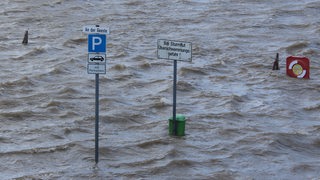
(174, 50)
(93, 29)
(96, 68)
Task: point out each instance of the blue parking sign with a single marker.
(97, 43)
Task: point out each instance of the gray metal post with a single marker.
(175, 126)
(97, 121)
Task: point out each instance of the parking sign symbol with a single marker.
(97, 43)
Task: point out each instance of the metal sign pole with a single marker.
(96, 64)
(175, 50)
(97, 121)
(174, 97)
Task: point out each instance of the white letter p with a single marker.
(96, 41)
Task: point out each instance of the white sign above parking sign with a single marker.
(93, 29)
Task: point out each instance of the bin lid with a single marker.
(179, 117)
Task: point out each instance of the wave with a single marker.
(68, 91)
(19, 115)
(153, 142)
(37, 150)
(34, 52)
(124, 120)
(295, 144)
(160, 102)
(185, 86)
(186, 71)
(23, 82)
(312, 108)
(119, 67)
(297, 48)
(73, 43)
(5, 140)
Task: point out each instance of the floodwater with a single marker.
(244, 121)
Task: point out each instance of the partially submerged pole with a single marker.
(174, 112)
(25, 38)
(276, 63)
(97, 121)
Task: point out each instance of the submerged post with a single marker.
(25, 38)
(175, 98)
(276, 63)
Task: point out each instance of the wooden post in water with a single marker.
(276, 63)
(25, 38)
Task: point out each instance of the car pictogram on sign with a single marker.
(97, 58)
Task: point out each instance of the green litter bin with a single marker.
(181, 123)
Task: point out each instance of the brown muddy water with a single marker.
(244, 121)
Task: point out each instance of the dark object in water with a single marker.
(25, 38)
(276, 63)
